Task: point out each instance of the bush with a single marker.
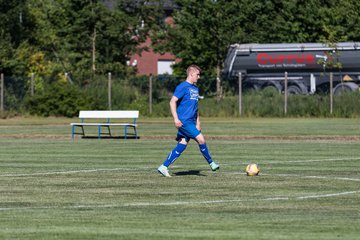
(7, 114)
(59, 99)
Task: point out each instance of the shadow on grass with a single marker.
(110, 137)
(190, 172)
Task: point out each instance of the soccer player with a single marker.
(184, 109)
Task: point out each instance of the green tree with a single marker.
(275, 21)
(201, 34)
(14, 29)
(340, 21)
(86, 38)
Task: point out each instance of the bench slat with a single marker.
(103, 124)
(109, 114)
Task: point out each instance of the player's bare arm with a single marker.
(173, 101)
(198, 122)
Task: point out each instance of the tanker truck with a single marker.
(308, 66)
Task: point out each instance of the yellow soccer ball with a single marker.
(252, 169)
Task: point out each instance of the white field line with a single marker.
(177, 203)
(307, 161)
(147, 168)
(140, 204)
(303, 176)
(316, 177)
(73, 171)
(328, 195)
(294, 161)
(315, 160)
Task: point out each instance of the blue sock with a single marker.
(205, 152)
(174, 154)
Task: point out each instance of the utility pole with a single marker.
(331, 93)
(2, 92)
(240, 94)
(109, 90)
(150, 94)
(286, 94)
(32, 83)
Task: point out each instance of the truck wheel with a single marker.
(250, 88)
(272, 87)
(293, 89)
(272, 90)
(345, 87)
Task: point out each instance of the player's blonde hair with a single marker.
(191, 68)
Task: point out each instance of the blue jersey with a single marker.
(187, 105)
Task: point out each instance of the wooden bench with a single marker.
(106, 116)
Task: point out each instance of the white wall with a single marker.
(164, 67)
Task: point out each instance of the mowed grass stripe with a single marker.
(146, 204)
(242, 153)
(146, 169)
(136, 184)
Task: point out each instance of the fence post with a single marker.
(150, 94)
(2, 92)
(331, 93)
(109, 90)
(286, 93)
(32, 83)
(240, 94)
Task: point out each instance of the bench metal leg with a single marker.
(135, 133)
(83, 132)
(108, 127)
(125, 132)
(72, 132)
(99, 131)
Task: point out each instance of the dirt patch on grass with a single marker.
(33, 136)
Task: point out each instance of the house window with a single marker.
(164, 67)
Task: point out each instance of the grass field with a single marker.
(309, 186)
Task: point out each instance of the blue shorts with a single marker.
(187, 131)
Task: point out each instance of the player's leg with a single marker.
(176, 152)
(203, 148)
(205, 152)
(173, 155)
